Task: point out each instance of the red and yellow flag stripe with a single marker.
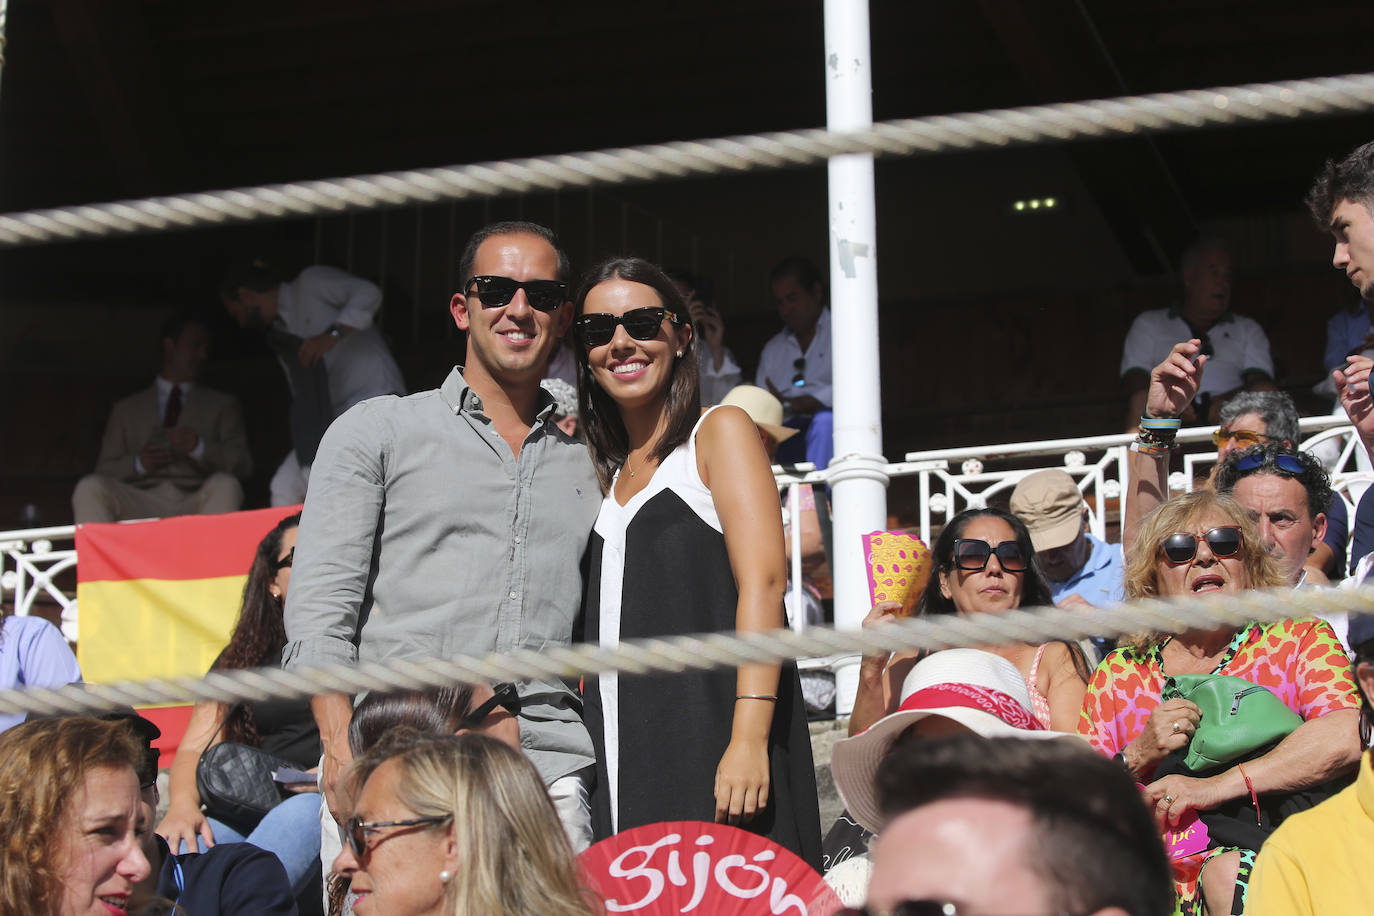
(160, 598)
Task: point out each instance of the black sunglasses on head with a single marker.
(503, 695)
(641, 324)
(971, 554)
(1181, 546)
(544, 295)
(355, 831)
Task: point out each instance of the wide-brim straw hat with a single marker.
(981, 691)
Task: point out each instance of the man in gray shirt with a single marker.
(454, 520)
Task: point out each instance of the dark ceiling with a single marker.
(103, 100)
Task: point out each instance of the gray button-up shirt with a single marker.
(423, 536)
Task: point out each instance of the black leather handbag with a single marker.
(235, 782)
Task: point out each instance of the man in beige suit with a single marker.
(175, 448)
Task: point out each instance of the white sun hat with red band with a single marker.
(980, 691)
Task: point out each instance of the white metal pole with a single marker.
(858, 475)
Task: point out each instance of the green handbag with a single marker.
(1238, 718)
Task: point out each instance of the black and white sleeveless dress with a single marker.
(658, 567)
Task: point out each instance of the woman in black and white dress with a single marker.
(689, 539)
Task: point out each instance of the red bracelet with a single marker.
(1254, 798)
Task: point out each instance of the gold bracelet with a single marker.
(757, 696)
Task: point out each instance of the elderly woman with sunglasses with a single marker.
(283, 728)
(984, 564)
(1203, 543)
(689, 539)
(456, 825)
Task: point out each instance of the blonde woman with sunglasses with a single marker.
(1203, 543)
(456, 825)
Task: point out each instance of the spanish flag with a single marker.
(160, 598)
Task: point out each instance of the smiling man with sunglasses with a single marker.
(453, 521)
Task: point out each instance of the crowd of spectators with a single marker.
(594, 471)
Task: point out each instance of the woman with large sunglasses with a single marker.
(456, 825)
(282, 728)
(689, 539)
(984, 564)
(1204, 543)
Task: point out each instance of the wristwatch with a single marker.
(333, 331)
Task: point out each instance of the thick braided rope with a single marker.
(715, 650)
(1125, 116)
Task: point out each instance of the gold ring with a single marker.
(1177, 728)
(1168, 799)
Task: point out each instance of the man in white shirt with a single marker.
(174, 448)
(334, 356)
(795, 365)
(1235, 346)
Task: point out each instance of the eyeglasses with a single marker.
(1181, 546)
(1245, 438)
(545, 295)
(355, 831)
(799, 380)
(503, 695)
(1286, 463)
(972, 554)
(284, 562)
(641, 324)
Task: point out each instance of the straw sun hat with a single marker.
(980, 691)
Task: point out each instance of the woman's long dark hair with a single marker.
(601, 421)
(260, 633)
(430, 712)
(1035, 590)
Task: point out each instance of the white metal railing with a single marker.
(950, 481)
(1105, 476)
(31, 561)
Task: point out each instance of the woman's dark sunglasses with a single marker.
(503, 695)
(285, 561)
(1181, 546)
(544, 295)
(641, 324)
(971, 554)
(355, 831)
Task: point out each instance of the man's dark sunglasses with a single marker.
(641, 324)
(545, 295)
(503, 695)
(972, 554)
(906, 908)
(285, 561)
(1285, 463)
(1181, 546)
(355, 831)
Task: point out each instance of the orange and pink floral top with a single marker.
(1300, 660)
